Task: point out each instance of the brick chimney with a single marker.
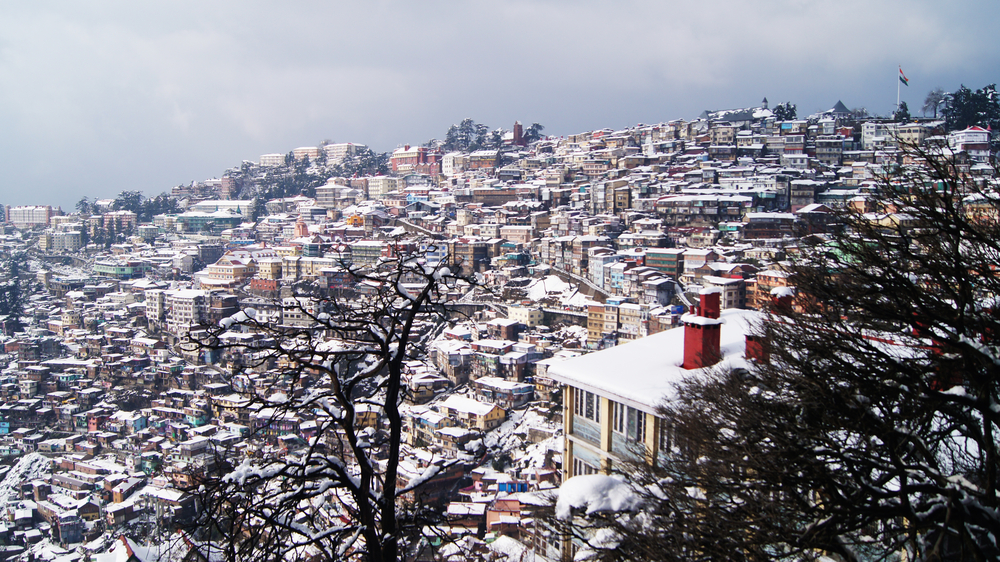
(757, 349)
(702, 331)
(781, 299)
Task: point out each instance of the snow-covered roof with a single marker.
(643, 373)
(467, 405)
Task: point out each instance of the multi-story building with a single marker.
(419, 159)
(366, 253)
(303, 152)
(29, 215)
(759, 291)
(453, 163)
(611, 419)
(185, 309)
(472, 414)
(295, 268)
(337, 152)
(879, 134)
(633, 321)
(215, 222)
(61, 241)
(271, 160)
(380, 186)
(122, 269)
(830, 149)
(732, 291)
(667, 260)
(974, 141)
(526, 315)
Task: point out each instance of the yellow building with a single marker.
(612, 397)
(472, 414)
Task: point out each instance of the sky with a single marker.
(103, 96)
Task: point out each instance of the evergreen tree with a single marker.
(902, 113)
(533, 133)
(12, 297)
(966, 108)
(784, 111)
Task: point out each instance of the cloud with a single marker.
(108, 96)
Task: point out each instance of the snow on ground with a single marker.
(512, 438)
(512, 550)
(30, 467)
(553, 287)
(47, 550)
(541, 288)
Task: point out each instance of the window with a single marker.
(629, 422)
(587, 405)
(580, 468)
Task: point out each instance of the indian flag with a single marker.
(903, 78)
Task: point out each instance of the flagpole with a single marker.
(897, 87)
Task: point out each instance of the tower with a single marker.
(518, 134)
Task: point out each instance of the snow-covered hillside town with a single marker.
(577, 280)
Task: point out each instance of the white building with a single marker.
(29, 215)
(303, 152)
(272, 159)
(185, 309)
(975, 141)
(242, 207)
(877, 134)
(453, 163)
(339, 151)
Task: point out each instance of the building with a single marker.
(337, 152)
(380, 186)
(241, 207)
(30, 215)
(528, 316)
(61, 241)
(271, 160)
(611, 397)
(472, 414)
(667, 260)
(185, 308)
(415, 159)
(122, 269)
(974, 141)
(304, 152)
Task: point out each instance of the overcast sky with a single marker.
(98, 97)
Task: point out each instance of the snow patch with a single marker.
(595, 493)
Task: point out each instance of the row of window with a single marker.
(625, 420)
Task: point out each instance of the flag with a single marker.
(903, 78)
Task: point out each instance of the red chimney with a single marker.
(757, 349)
(781, 299)
(702, 331)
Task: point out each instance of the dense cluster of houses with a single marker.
(650, 234)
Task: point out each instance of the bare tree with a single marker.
(934, 100)
(331, 363)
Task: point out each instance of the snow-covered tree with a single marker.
(12, 293)
(870, 432)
